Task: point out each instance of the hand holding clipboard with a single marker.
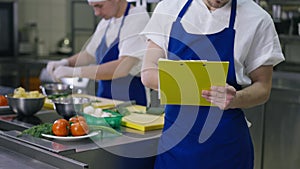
(181, 81)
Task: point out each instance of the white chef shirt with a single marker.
(130, 44)
(256, 40)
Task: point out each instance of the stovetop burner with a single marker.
(12, 119)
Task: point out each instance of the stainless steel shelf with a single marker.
(283, 2)
(289, 37)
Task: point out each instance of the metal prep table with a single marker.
(134, 149)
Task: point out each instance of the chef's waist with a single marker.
(172, 112)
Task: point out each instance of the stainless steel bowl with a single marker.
(70, 106)
(56, 89)
(25, 106)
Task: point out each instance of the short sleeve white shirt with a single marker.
(256, 40)
(130, 44)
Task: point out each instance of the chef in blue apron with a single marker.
(116, 48)
(238, 31)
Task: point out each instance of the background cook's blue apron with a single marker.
(227, 143)
(124, 88)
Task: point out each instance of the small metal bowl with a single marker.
(56, 89)
(68, 107)
(25, 106)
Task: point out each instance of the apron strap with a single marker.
(122, 23)
(104, 36)
(183, 10)
(125, 14)
(233, 14)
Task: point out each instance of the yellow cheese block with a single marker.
(143, 122)
(48, 104)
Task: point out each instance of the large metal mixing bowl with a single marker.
(51, 89)
(25, 106)
(70, 106)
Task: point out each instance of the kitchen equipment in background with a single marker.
(276, 13)
(299, 28)
(28, 38)
(9, 28)
(42, 49)
(9, 75)
(64, 46)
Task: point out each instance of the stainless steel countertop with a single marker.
(132, 144)
(13, 160)
(103, 140)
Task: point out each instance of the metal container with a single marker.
(56, 89)
(25, 106)
(70, 106)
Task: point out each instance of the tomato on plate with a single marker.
(75, 119)
(61, 127)
(79, 128)
(3, 101)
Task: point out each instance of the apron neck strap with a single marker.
(184, 9)
(233, 13)
(125, 14)
(122, 22)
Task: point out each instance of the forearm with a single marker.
(81, 59)
(110, 70)
(256, 94)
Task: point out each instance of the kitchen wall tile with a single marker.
(54, 20)
(21, 11)
(59, 2)
(44, 17)
(30, 12)
(84, 18)
(81, 40)
(59, 16)
(51, 17)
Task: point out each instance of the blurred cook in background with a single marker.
(117, 50)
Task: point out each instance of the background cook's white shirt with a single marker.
(256, 40)
(131, 44)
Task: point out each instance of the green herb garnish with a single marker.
(37, 131)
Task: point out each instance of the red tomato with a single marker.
(75, 119)
(61, 127)
(79, 129)
(3, 101)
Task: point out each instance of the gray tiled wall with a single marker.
(50, 16)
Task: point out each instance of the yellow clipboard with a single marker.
(182, 81)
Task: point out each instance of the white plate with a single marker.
(4, 107)
(71, 138)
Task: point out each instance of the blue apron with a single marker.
(124, 88)
(203, 137)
